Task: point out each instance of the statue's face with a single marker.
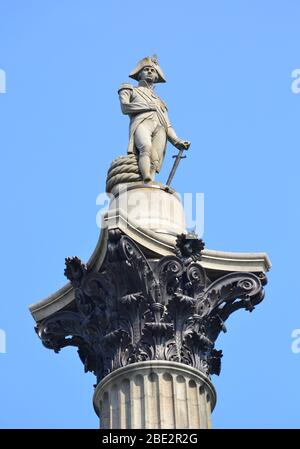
(148, 74)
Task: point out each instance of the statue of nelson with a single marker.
(150, 127)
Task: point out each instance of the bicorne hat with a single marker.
(148, 61)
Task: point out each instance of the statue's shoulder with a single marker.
(165, 104)
(125, 86)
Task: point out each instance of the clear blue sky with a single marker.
(229, 66)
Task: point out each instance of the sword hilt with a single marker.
(179, 157)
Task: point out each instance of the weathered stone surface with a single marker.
(148, 207)
(155, 395)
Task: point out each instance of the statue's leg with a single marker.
(159, 140)
(143, 142)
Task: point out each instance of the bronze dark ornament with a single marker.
(138, 309)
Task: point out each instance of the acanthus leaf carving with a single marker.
(138, 309)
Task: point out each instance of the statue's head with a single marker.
(149, 74)
(149, 70)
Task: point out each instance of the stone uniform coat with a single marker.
(135, 102)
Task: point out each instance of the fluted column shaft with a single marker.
(155, 395)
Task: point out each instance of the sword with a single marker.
(178, 158)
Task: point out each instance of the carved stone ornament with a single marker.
(138, 309)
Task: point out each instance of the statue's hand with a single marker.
(183, 145)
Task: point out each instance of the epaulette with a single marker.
(125, 86)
